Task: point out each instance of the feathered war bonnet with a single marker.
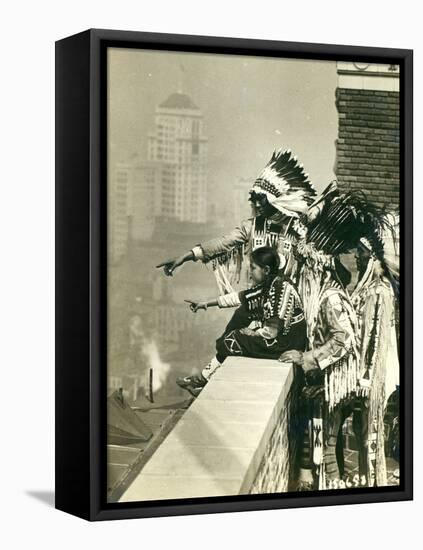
(285, 184)
(339, 221)
(385, 247)
(343, 219)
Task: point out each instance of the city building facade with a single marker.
(368, 154)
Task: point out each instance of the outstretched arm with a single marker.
(169, 266)
(227, 300)
(212, 248)
(195, 306)
(223, 245)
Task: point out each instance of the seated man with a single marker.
(273, 302)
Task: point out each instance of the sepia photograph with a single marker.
(208, 293)
(253, 275)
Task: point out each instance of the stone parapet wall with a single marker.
(273, 474)
(232, 440)
(278, 467)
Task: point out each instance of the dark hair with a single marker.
(254, 196)
(342, 273)
(266, 257)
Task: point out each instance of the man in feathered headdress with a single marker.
(374, 299)
(331, 365)
(280, 196)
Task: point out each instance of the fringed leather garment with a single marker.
(374, 302)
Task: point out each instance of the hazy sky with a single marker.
(251, 105)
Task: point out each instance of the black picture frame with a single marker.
(81, 223)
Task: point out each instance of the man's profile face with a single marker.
(261, 205)
(362, 257)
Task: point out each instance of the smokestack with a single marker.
(135, 390)
(150, 386)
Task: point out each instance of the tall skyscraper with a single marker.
(178, 141)
(171, 183)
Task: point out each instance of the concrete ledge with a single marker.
(217, 447)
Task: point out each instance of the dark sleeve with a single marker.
(290, 313)
(285, 319)
(295, 339)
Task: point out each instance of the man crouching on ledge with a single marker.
(273, 302)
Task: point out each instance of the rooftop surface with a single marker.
(126, 458)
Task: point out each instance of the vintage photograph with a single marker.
(252, 275)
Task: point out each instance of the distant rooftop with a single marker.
(178, 100)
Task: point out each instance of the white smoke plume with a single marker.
(149, 356)
(159, 367)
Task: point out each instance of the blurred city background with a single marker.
(188, 134)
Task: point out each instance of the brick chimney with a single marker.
(367, 99)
